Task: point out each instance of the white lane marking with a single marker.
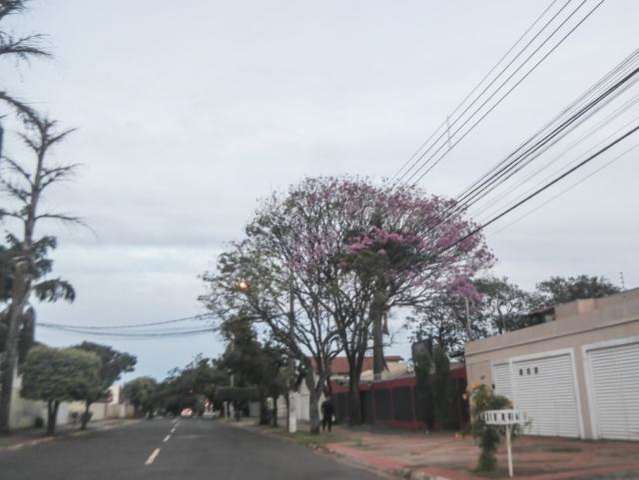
(152, 457)
(166, 439)
(173, 430)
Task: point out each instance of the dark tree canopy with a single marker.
(58, 374)
(191, 386)
(141, 392)
(112, 365)
(567, 289)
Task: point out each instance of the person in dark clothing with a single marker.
(328, 410)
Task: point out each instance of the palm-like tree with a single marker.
(21, 48)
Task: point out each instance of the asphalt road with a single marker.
(198, 449)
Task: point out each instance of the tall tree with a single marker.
(25, 187)
(187, 387)
(58, 374)
(348, 251)
(255, 363)
(112, 365)
(254, 283)
(142, 393)
(567, 289)
(439, 321)
(503, 305)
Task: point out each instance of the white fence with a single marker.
(24, 412)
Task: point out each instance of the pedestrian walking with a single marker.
(328, 410)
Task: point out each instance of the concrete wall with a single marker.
(302, 404)
(24, 412)
(576, 324)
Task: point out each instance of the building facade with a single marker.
(576, 375)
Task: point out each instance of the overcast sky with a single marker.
(188, 112)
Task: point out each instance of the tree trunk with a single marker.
(84, 419)
(52, 416)
(263, 412)
(313, 401)
(10, 362)
(274, 419)
(354, 399)
(377, 312)
(287, 399)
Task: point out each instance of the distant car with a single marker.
(186, 413)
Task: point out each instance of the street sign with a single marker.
(505, 418)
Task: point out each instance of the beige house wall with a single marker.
(576, 325)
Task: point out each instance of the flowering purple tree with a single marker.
(348, 252)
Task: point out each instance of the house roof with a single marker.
(339, 365)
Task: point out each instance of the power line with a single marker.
(129, 325)
(132, 335)
(566, 190)
(556, 132)
(607, 79)
(542, 189)
(508, 92)
(446, 122)
(489, 207)
(549, 135)
(435, 157)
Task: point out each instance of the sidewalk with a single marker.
(448, 456)
(445, 455)
(32, 436)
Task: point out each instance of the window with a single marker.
(536, 370)
(521, 372)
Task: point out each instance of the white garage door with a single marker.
(502, 380)
(544, 388)
(615, 396)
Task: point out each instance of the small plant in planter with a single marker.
(488, 436)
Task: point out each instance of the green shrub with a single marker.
(38, 422)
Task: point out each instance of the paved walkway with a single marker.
(453, 457)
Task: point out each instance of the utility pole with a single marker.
(292, 398)
(468, 329)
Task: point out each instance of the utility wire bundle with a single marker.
(189, 326)
(600, 120)
(558, 21)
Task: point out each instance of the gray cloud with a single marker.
(190, 111)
